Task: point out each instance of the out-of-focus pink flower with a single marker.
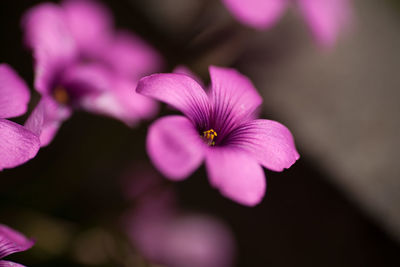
(326, 18)
(218, 127)
(82, 62)
(17, 143)
(11, 242)
(166, 236)
(186, 240)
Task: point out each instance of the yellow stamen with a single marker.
(61, 95)
(209, 136)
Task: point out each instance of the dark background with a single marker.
(73, 185)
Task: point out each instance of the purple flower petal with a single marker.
(234, 99)
(90, 23)
(17, 144)
(175, 147)
(179, 91)
(48, 34)
(185, 70)
(35, 121)
(236, 174)
(164, 237)
(86, 79)
(12, 241)
(14, 94)
(131, 56)
(122, 103)
(54, 115)
(148, 223)
(269, 142)
(10, 264)
(192, 240)
(326, 18)
(260, 14)
(49, 131)
(47, 118)
(147, 234)
(197, 241)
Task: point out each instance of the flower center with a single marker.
(61, 95)
(208, 137)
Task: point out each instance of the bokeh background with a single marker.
(339, 205)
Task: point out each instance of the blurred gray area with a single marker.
(341, 104)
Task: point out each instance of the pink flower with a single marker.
(326, 18)
(17, 143)
(185, 240)
(165, 235)
(11, 242)
(81, 62)
(218, 127)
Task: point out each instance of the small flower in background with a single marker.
(183, 240)
(165, 235)
(326, 18)
(12, 242)
(82, 62)
(17, 143)
(218, 127)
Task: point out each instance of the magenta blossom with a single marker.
(11, 242)
(163, 234)
(82, 62)
(326, 18)
(218, 127)
(17, 143)
(182, 240)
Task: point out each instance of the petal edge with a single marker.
(236, 175)
(17, 144)
(14, 93)
(269, 142)
(179, 91)
(174, 147)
